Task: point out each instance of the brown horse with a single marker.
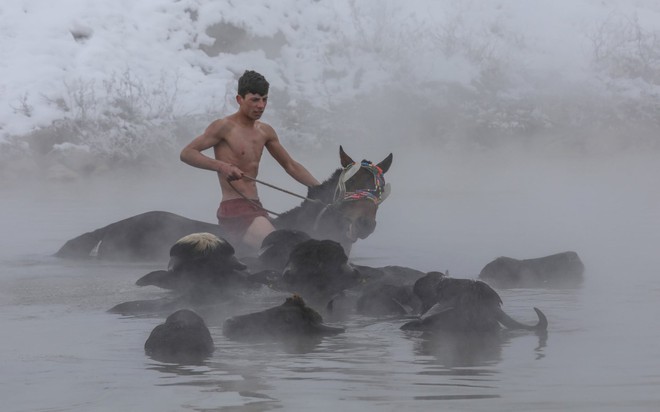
(344, 207)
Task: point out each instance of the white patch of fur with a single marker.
(202, 242)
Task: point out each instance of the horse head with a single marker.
(343, 208)
(359, 188)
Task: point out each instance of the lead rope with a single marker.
(271, 186)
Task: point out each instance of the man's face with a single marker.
(253, 105)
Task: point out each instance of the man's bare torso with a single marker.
(241, 146)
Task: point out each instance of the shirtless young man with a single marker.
(238, 141)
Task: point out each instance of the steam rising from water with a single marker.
(516, 129)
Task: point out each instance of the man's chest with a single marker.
(247, 146)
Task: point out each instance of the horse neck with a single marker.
(325, 192)
(300, 216)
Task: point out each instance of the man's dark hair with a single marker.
(252, 82)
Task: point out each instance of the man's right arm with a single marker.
(192, 153)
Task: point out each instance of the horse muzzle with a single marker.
(360, 228)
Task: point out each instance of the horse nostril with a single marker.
(366, 226)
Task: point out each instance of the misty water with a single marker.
(518, 129)
(61, 351)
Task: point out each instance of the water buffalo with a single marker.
(293, 319)
(202, 271)
(463, 305)
(144, 237)
(183, 338)
(387, 290)
(199, 260)
(559, 270)
(385, 299)
(275, 250)
(318, 270)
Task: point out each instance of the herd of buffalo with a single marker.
(317, 278)
(306, 261)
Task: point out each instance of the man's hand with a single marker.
(231, 172)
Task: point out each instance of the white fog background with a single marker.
(519, 128)
(89, 85)
(545, 113)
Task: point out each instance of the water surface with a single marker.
(61, 351)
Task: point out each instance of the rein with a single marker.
(377, 195)
(271, 186)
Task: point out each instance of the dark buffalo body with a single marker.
(558, 270)
(292, 319)
(184, 337)
(463, 305)
(144, 237)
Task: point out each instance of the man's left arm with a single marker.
(292, 167)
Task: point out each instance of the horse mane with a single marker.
(324, 192)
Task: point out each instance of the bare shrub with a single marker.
(121, 120)
(622, 48)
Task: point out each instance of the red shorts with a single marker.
(236, 215)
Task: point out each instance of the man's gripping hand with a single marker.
(231, 172)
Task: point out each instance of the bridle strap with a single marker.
(319, 216)
(377, 195)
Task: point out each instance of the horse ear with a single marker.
(345, 159)
(386, 163)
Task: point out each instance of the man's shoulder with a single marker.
(223, 121)
(267, 130)
(221, 126)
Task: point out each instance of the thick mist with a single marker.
(518, 129)
(446, 212)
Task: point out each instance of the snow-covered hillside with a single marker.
(86, 84)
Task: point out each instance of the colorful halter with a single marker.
(377, 195)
